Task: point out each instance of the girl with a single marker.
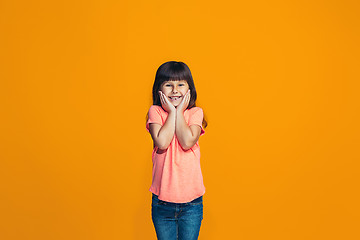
(175, 125)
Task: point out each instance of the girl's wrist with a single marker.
(173, 111)
(179, 110)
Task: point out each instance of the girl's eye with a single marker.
(168, 85)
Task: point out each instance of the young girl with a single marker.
(175, 125)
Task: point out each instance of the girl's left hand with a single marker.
(184, 102)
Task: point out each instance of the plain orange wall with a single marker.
(278, 82)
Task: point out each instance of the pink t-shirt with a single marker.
(176, 174)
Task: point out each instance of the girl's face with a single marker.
(175, 90)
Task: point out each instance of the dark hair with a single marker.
(172, 71)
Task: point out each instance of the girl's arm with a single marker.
(163, 135)
(186, 135)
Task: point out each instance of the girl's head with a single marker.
(174, 79)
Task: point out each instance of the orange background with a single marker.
(278, 82)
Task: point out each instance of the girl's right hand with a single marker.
(166, 104)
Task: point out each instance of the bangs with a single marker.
(177, 76)
(175, 72)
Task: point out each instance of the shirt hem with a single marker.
(169, 200)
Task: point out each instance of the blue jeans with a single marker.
(178, 221)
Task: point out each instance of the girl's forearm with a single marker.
(167, 131)
(183, 131)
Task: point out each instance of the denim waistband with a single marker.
(197, 200)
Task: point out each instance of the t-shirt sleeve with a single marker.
(196, 118)
(154, 116)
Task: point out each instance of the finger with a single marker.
(161, 99)
(166, 99)
(183, 100)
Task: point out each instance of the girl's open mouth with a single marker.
(174, 98)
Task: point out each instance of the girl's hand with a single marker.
(184, 103)
(166, 104)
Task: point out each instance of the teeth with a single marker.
(174, 98)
